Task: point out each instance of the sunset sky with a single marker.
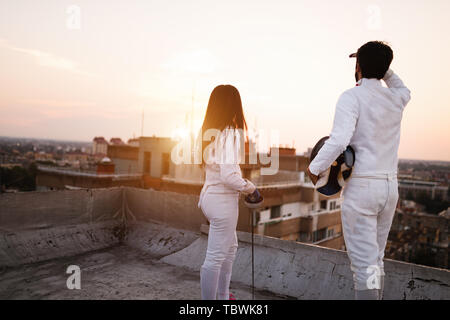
(67, 78)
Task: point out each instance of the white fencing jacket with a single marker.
(368, 118)
(223, 173)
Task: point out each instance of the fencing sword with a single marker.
(253, 201)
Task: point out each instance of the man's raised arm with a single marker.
(394, 83)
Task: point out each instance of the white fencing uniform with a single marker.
(368, 118)
(219, 201)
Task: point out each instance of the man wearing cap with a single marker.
(367, 118)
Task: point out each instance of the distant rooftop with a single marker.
(92, 174)
(100, 140)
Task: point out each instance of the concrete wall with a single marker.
(285, 267)
(125, 158)
(179, 210)
(37, 210)
(311, 272)
(37, 226)
(125, 166)
(60, 180)
(22, 247)
(175, 209)
(123, 152)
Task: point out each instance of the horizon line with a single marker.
(84, 141)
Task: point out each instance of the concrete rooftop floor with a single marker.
(144, 244)
(120, 272)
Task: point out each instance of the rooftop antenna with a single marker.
(192, 110)
(256, 133)
(191, 133)
(142, 123)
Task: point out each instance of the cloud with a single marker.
(47, 59)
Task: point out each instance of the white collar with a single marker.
(368, 82)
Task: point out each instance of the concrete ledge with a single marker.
(22, 247)
(281, 267)
(31, 210)
(174, 209)
(308, 271)
(40, 226)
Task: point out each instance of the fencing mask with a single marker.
(334, 178)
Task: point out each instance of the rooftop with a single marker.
(143, 244)
(119, 272)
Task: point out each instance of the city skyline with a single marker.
(290, 63)
(298, 152)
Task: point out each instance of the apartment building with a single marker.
(99, 146)
(419, 237)
(409, 188)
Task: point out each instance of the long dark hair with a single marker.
(224, 110)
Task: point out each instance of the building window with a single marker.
(332, 205)
(275, 212)
(319, 235)
(323, 204)
(330, 233)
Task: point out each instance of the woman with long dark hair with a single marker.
(219, 197)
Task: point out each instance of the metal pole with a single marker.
(253, 257)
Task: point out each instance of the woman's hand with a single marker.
(254, 197)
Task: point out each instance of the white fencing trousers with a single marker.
(367, 212)
(221, 210)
